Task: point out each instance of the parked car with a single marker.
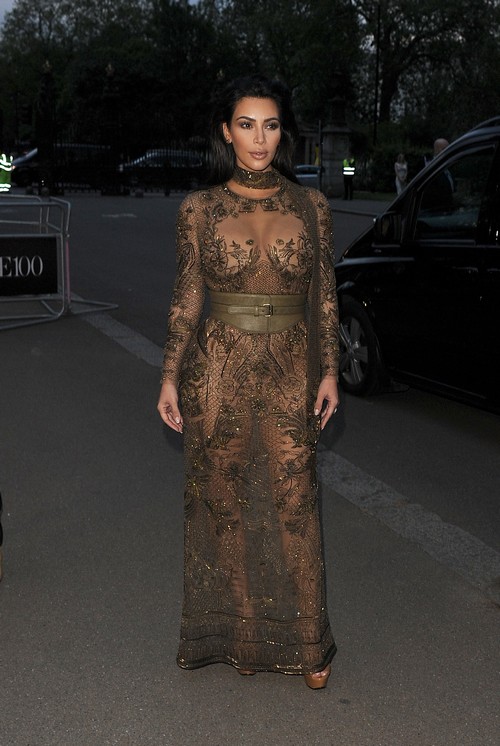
(22, 168)
(419, 292)
(80, 165)
(165, 169)
(308, 175)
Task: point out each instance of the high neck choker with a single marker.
(256, 179)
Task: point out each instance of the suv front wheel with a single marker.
(360, 365)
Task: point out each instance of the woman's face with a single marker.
(255, 132)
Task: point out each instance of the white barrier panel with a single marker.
(34, 262)
(28, 265)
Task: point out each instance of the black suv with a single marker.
(419, 292)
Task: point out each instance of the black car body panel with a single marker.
(427, 274)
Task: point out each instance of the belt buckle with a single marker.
(266, 309)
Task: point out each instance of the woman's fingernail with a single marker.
(316, 412)
(177, 419)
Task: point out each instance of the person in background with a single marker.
(439, 145)
(401, 171)
(5, 172)
(438, 194)
(251, 387)
(348, 170)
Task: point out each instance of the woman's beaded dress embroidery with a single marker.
(254, 590)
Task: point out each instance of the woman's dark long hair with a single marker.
(222, 157)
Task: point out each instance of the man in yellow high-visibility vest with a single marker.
(5, 171)
(348, 169)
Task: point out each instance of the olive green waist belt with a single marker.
(256, 312)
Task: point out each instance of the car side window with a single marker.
(451, 201)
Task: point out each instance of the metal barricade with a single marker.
(34, 262)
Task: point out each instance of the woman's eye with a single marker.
(246, 125)
(273, 125)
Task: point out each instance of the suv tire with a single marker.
(360, 364)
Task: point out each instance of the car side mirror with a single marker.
(388, 228)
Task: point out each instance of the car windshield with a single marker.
(451, 201)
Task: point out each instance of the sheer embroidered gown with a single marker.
(254, 590)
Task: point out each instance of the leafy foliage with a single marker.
(142, 72)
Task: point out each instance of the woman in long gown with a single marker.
(251, 386)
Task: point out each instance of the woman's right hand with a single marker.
(168, 406)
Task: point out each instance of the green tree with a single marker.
(148, 67)
(189, 53)
(60, 33)
(465, 88)
(310, 44)
(426, 53)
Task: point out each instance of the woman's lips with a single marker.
(259, 155)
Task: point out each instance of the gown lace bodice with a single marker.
(230, 243)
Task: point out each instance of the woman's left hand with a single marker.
(327, 400)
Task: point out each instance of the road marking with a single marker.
(132, 341)
(120, 215)
(450, 545)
